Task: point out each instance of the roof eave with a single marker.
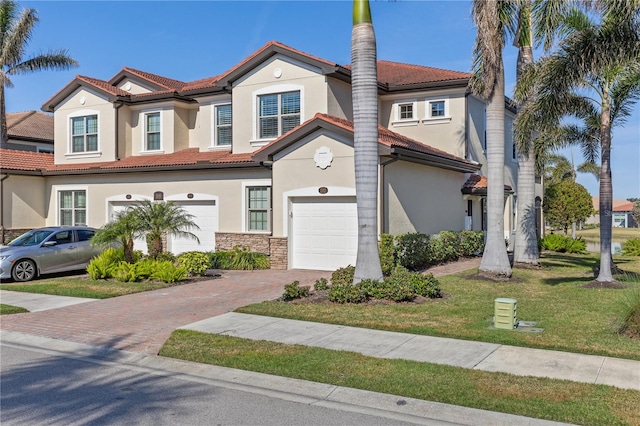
(444, 84)
(143, 169)
(436, 160)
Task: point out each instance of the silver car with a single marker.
(47, 250)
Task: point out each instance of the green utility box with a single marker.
(505, 314)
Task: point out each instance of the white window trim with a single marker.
(246, 185)
(214, 126)
(400, 122)
(91, 154)
(272, 90)
(436, 120)
(143, 115)
(57, 189)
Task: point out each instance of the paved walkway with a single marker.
(142, 322)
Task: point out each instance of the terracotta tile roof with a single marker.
(191, 156)
(476, 182)
(11, 159)
(30, 124)
(103, 85)
(397, 73)
(167, 83)
(618, 205)
(203, 83)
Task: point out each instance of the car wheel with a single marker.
(24, 270)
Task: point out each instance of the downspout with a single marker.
(466, 125)
(2, 207)
(116, 106)
(395, 158)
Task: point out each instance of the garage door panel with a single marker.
(324, 233)
(206, 217)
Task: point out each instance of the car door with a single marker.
(85, 251)
(58, 252)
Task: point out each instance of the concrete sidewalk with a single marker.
(492, 357)
(39, 302)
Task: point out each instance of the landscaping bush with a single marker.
(343, 275)
(239, 258)
(412, 250)
(195, 262)
(145, 268)
(347, 293)
(425, 285)
(631, 247)
(562, 244)
(125, 272)
(321, 284)
(470, 243)
(387, 254)
(101, 267)
(166, 256)
(442, 248)
(388, 289)
(294, 291)
(168, 272)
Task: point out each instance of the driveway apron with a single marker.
(142, 322)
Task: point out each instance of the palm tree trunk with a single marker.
(4, 136)
(364, 86)
(606, 195)
(526, 245)
(495, 260)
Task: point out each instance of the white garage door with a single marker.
(206, 217)
(324, 232)
(116, 206)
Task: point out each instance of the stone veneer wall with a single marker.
(274, 247)
(10, 234)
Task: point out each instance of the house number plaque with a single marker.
(323, 157)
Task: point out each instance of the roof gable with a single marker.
(158, 82)
(389, 143)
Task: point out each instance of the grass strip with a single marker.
(550, 399)
(574, 318)
(83, 287)
(8, 309)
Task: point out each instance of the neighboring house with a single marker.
(29, 131)
(262, 155)
(622, 217)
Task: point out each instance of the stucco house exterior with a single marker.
(262, 155)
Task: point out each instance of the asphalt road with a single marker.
(40, 387)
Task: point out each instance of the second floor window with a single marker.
(152, 131)
(84, 134)
(278, 113)
(405, 112)
(436, 109)
(223, 125)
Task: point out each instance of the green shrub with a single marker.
(321, 284)
(125, 272)
(412, 250)
(101, 267)
(166, 256)
(195, 262)
(443, 247)
(631, 247)
(562, 244)
(343, 275)
(239, 258)
(295, 291)
(389, 289)
(387, 254)
(168, 272)
(470, 243)
(425, 285)
(347, 293)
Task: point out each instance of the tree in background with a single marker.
(15, 33)
(635, 213)
(565, 203)
(364, 89)
(488, 82)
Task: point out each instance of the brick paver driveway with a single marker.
(143, 321)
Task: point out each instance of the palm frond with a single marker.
(58, 60)
(17, 38)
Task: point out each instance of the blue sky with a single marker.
(192, 40)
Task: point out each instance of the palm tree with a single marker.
(525, 249)
(159, 218)
(597, 63)
(15, 33)
(364, 86)
(488, 82)
(124, 228)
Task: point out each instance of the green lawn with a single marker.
(618, 234)
(574, 319)
(82, 287)
(8, 309)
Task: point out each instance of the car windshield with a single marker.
(31, 238)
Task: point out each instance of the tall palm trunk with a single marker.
(495, 260)
(4, 136)
(606, 195)
(364, 83)
(526, 245)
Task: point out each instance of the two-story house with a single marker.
(262, 156)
